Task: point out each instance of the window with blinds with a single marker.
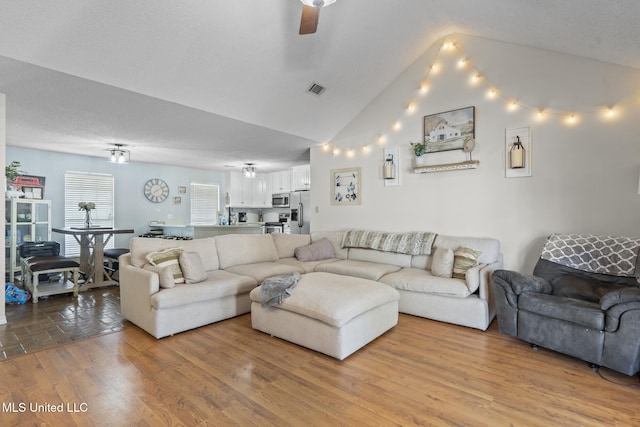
(205, 203)
(87, 187)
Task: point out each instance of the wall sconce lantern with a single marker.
(518, 152)
(389, 171)
(517, 155)
(390, 166)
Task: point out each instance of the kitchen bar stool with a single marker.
(111, 258)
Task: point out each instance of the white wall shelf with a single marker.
(446, 167)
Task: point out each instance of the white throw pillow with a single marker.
(165, 275)
(442, 264)
(192, 267)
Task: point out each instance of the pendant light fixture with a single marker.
(118, 154)
(249, 170)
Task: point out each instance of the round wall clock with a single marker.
(156, 190)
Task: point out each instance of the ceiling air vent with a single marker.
(316, 89)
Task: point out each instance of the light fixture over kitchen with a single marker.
(249, 170)
(118, 154)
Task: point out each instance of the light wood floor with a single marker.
(420, 373)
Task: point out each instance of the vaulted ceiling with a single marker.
(221, 82)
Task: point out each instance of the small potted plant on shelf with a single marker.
(11, 172)
(419, 149)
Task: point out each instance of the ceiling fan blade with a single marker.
(309, 21)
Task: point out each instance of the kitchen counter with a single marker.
(241, 224)
(209, 230)
(200, 231)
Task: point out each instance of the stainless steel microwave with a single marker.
(280, 200)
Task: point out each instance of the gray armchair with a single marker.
(582, 300)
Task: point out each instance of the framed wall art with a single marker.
(448, 131)
(346, 186)
(33, 192)
(32, 186)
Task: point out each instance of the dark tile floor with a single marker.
(59, 319)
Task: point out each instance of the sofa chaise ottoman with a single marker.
(332, 314)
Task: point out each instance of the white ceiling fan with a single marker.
(311, 13)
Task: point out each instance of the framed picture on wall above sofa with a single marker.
(448, 130)
(345, 186)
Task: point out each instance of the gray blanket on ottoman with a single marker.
(274, 290)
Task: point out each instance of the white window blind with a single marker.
(205, 203)
(87, 187)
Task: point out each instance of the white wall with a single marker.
(132, 209)
(585, 176)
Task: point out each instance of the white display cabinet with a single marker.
(27, 220)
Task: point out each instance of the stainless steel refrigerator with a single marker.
(300, 206)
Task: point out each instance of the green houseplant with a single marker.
(11, 171)
(419, 149)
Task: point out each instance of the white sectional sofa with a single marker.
(236, 264)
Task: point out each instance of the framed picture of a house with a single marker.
(447, 131)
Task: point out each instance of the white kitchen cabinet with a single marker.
(238, 193)
(287, 186)
(266, 197)
(301, 177)
(27, 220)
(259, 192)
(276, 182)
(248, 192)
(281, 181)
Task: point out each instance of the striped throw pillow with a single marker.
(463, 260)
(168, 258)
